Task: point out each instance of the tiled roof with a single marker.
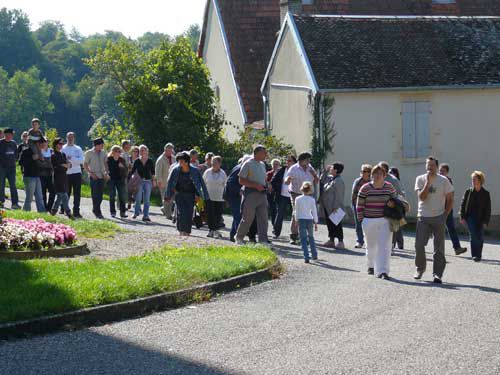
(384, 52)
(252, 26)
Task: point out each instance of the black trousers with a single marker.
(97, 188)
(334, 231)
(75, 186)
(48, 188)
(283, 206)
(214, 214)
(184, 203)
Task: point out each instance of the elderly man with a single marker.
(162, 170)
(96, 166)
(8, 158)
(75, 157)
(297, 175)
(254, 202)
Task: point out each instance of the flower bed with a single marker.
(18, 235)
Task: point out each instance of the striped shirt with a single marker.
(371, 201)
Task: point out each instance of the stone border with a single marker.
(49, 253)
(114, 312)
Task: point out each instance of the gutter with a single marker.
(413, 88)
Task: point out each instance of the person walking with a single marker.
(272, 195)
(297, 174)
(444, 170)
(435, 201)
(162, 169)
(475, 212)
(46, 174)
(186, 183)
(215, 179)
(307, 216)
(207, 164)
(75, 157)
(232, 194)
(97, 169)
(254, 202)
(193, 154)
(364, 177)
(145, 168)
(8, 158)
(61, 166)
(331, 200)
(398, 236)
(282, 194)
(134, 155)
(372, 198)
(29, 162)
(118, 172)
(23, 145)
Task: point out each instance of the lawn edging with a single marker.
(135, 308)
(70, 251)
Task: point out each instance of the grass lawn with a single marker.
(83, 227)
(39, 287)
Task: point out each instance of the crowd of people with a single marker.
(254, 191)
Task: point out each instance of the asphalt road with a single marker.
(325, 318)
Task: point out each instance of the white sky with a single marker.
(132, 18)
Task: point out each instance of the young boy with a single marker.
(306, 214)
(34, 134)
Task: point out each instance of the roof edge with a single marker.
(413, 88)
(407, 17)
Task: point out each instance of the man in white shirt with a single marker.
(297, 175)
(74, 154)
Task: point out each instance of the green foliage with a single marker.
(323, 130)
(24, 96)
(193, 35)
(51, 134)
(166, 93)
(41, 287)
(110, 130)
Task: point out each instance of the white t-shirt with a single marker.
(75, 156)
(215, 184)
(435, 203)
(305, 208)
(284, 187)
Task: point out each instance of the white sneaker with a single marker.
(340, 245)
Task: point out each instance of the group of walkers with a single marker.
(254, 192)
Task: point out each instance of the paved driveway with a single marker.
(325, 318)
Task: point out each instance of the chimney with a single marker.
(292, 6)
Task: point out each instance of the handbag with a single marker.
(134, 183)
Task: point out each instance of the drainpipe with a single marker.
(266, 121)
(321, 130)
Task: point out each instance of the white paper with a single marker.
(337, 216)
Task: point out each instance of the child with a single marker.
(307, 214)
(35, 134)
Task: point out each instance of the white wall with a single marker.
(464, 128)
(214, 56)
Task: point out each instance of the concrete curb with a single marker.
(50, 253)
(114, 312)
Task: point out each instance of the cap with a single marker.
(35, 120)
(8, 131)
(169, 145)
(98, 141)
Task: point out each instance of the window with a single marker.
(416, 133)
(307, 2)
(443, 1)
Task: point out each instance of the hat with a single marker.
(35, 120)
(8, 131)
(168, 145)
(98, 141)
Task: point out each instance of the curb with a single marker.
(49, 253)
(135, 308)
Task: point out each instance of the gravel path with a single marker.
(329, 317)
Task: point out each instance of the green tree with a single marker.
(110, 130)
(50, 31)
(193, 35)
(149, 41)
(27, 96)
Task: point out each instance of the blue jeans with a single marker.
(143, 194)
(235, 205)
(283, 205)
(10, 174)
(306, 233)
(33, 186)
(114, 187)
(452, 231)
(476, 231)
(61, 199)
(359, 228)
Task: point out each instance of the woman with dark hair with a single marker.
(118, 172)
(187, 183)
(475, 212)
(145, 168)
(61, 165)
(282, 193)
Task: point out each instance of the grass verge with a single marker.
(83, 227)
(40, 287)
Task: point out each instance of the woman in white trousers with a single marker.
(372, 198)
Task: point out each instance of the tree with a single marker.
(50, 31)
(110, 130)
(27, 96)
(150, 41)
(193, 35)
(166, 93)
(104, 102)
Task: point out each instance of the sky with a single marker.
(132, 17)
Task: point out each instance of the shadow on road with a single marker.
(324, 264)
(445, 285)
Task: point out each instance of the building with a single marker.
(391, 88)
(238, 37)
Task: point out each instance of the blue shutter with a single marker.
(422, 116)
(409, 138)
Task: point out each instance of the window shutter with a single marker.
(423, 110)
(409, 139)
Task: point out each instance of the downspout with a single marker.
(266, 121)
(321, 130)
